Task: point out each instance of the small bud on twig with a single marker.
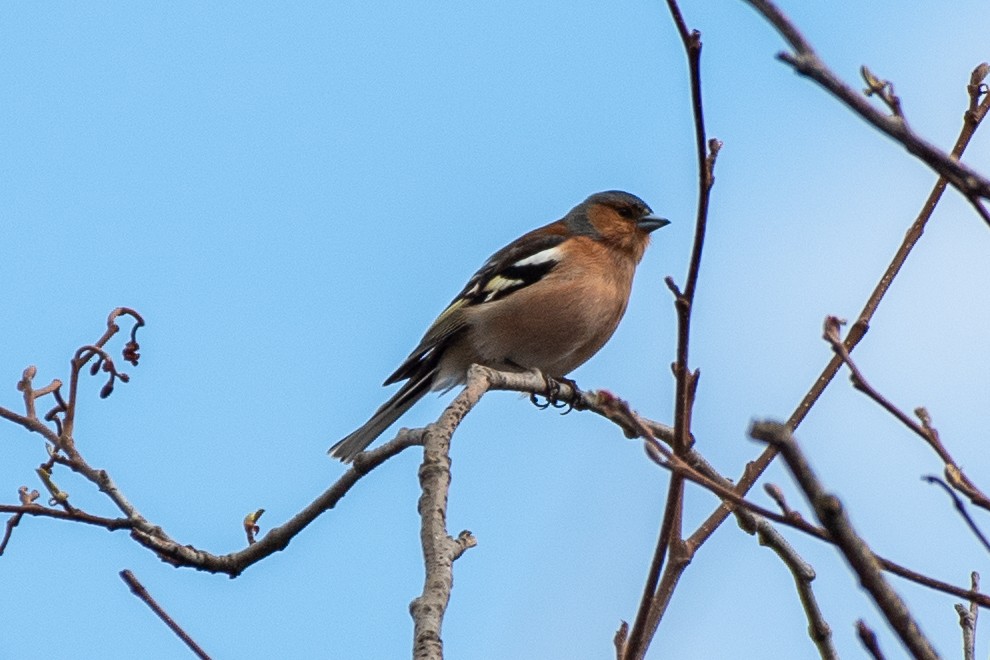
(251, 527)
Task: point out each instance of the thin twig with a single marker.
(104, 362)
(974, 608)
(831, 514)
(777, 495)
(668, 535)
(32, 424)
(924, 429)
(869, 640)
(76, 515)
(697, 470)
(278, 538)
(670, 538)
(968, 637)
(619, 641)
(803, 574)
(28, 499)
(138, 590)
(977, 109)
(938, 585)
(805, 61)
(12, 522)
(961, 508)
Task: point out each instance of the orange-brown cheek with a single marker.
(618, 232)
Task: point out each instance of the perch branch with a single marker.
(693, 467)
(440, 550)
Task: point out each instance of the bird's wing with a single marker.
(519, 264)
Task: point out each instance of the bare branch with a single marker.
(138, 590)
(858, 554)
(777, 495)
(440, 550)
(967, 621)
(670, 538)
(961, 508)
(481, 379)
(967, 624)
(803, 574)
(103, 362)
(805, 61)
(924, 430)
(12, 522)
(697, 470)
(693, 467)
(979, 105)
(32, 424)
(621, 635)
(76, 515)
(668, 541)
(869, 640)
(278, 538)
(26, 386)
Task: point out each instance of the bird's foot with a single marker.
(553, 391)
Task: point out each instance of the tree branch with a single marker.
(978, 106)
(868, 638)
(440, 550)
(805, 61)
(924, 429)
(967, 621)
(829, 511)
(697, 470)
(693, 466)
(138, 590)
(670, 539)
(803, 574)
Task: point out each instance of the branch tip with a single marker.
(868, 639)
(772, 432)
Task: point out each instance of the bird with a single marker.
(545, 302)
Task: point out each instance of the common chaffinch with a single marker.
(547, 301)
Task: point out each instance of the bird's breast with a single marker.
(553, 333)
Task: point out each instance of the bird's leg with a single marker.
(532, 395)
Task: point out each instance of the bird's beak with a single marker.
(651, 222)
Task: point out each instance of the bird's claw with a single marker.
(536, 402)
(553, 391)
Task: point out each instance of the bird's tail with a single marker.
(384, 417)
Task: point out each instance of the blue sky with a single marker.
(289, 196)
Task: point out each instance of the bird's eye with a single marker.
(627, 212)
